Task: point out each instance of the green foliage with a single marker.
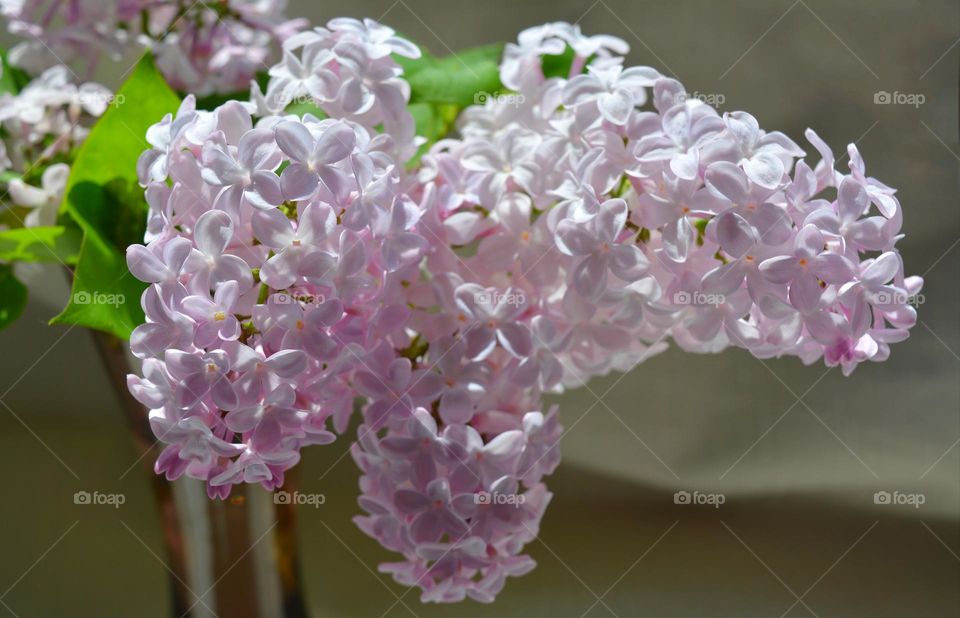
(13, 79)
(106, 202)
(305, 107)
(460, 79)
(441, 87)
(215, 100)
(57, 244)
(434, 121)
(558, 65)
(13, 296)
(6, 177)
(42, 244)
(701, 225)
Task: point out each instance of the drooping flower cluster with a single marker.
(202, 47)
(625, 225)
(572, 228)
(451, 503)
(42, 125)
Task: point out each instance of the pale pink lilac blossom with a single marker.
(201, 47)
(43, 125)
(346, 69)
(551, 242)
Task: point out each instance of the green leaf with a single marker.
(305, 107)
(460, 79)
(212, 101)
(7, 81)
(13, 296)
(433, 122)
(558, 65)
(105, 200)
(441, 87)
(12, 79)
(425, 117)
(40, 244)
(412, 65)
(483, 53)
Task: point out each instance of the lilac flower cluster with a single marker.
(202, 47)
(42, 126)
(346, 69)
(295, 265)
(625, 225)
(263, 299)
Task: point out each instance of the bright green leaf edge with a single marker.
(41, 244)
(13, 296)
(106, 202)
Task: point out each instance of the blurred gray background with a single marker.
(798, 452)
